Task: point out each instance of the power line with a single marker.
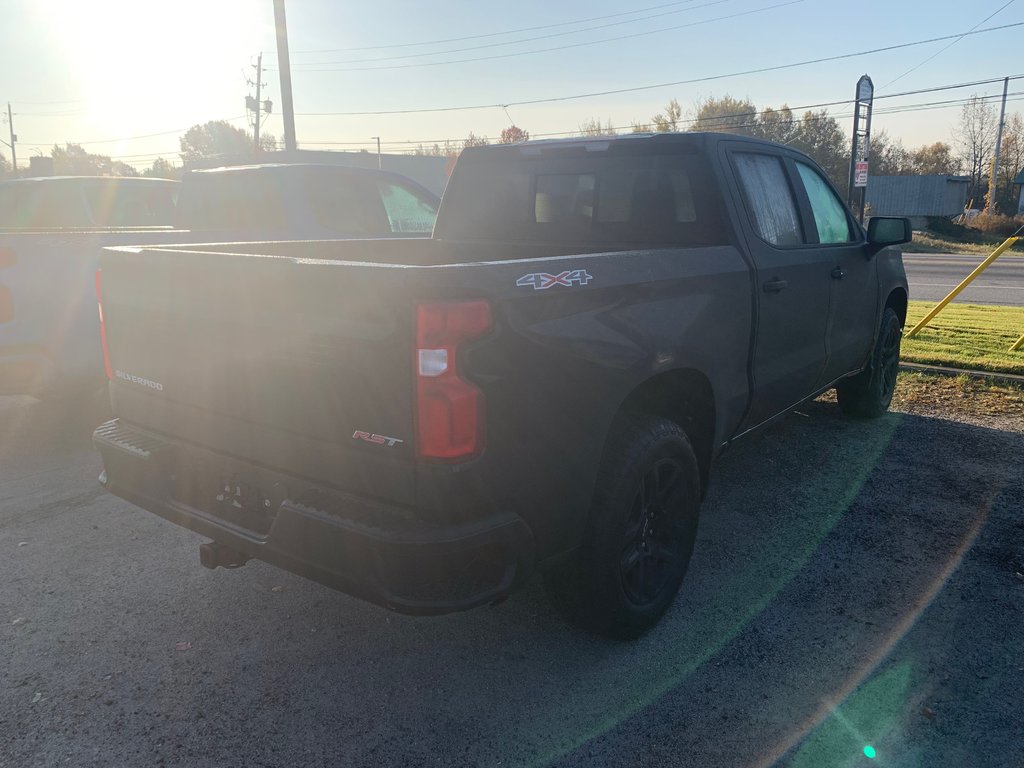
(132, 138)
(719, 119)
(511, 42)
(951, 44)
(562, 47)
(708, 78)
(499, 34)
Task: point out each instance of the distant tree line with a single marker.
(816, 133)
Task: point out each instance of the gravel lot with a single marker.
(854, 584)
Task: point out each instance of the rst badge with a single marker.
(369, 437)
(541, 281)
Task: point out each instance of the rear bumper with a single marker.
(379, 553)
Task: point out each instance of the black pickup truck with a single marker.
(542, 385)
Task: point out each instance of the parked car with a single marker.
(542, 385)
(49, 331)
(61, 202)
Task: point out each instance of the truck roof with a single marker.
(593, 142)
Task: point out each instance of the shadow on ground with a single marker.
(853, 586)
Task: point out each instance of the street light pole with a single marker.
(378, 151)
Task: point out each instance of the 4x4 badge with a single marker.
(542, 280)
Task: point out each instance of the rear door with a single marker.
(853, 281)
(791, 280)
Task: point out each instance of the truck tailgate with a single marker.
(287, 363)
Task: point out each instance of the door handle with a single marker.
(775, 286)
(838, 273)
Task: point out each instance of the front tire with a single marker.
(640, 534)
(869, 393)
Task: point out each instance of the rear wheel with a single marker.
(640, 534)
(869, 393)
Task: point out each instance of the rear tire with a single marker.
(869, 393)
(640, 533)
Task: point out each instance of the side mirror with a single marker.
(884, 231)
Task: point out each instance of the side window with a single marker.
(406, 211)
(340, 206)
(772, 207)
(829, 214)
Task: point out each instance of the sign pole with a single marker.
(863, 102)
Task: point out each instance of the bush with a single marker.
(946, 227)
(996, 224)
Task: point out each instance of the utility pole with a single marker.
(378, 151)
(14, 140)
(259, 82)
(999, 146)
(284, 66)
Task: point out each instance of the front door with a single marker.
(853, 281)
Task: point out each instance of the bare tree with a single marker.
(593, 127)
(1011, 163)
(975, 142)
(668, 121)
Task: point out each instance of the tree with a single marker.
(777, 125)
(668, 122)
(593, 127)
(5, 167)
(514, 135)
(934, 159)
(888, 156)
(214, 138)
(163, 169)
(726, 114)
(475, 141)
(975, 141)
(73, 160)
(820, 136)
(448, 149)
(1011, 162)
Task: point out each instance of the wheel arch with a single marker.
(897, 299)
(684, 396)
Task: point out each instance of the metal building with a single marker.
(917, 196)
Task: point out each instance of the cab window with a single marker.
(829, 214)
(406, 211)
(770, 201)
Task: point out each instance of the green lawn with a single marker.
(966, 336)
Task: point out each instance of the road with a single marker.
(933, 275)
(854, 583)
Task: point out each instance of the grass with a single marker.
(929, 395)
(979, 244)
(967, 336)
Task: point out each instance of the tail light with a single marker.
(449, 409)
(103, 325)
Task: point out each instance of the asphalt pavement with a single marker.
(933, 275)
(855, 584)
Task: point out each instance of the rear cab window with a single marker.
(771, 204)
(663, 198)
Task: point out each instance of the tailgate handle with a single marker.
(775, 286)
(838, 273)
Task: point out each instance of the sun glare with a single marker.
(147, 66)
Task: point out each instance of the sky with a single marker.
(127, 77)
